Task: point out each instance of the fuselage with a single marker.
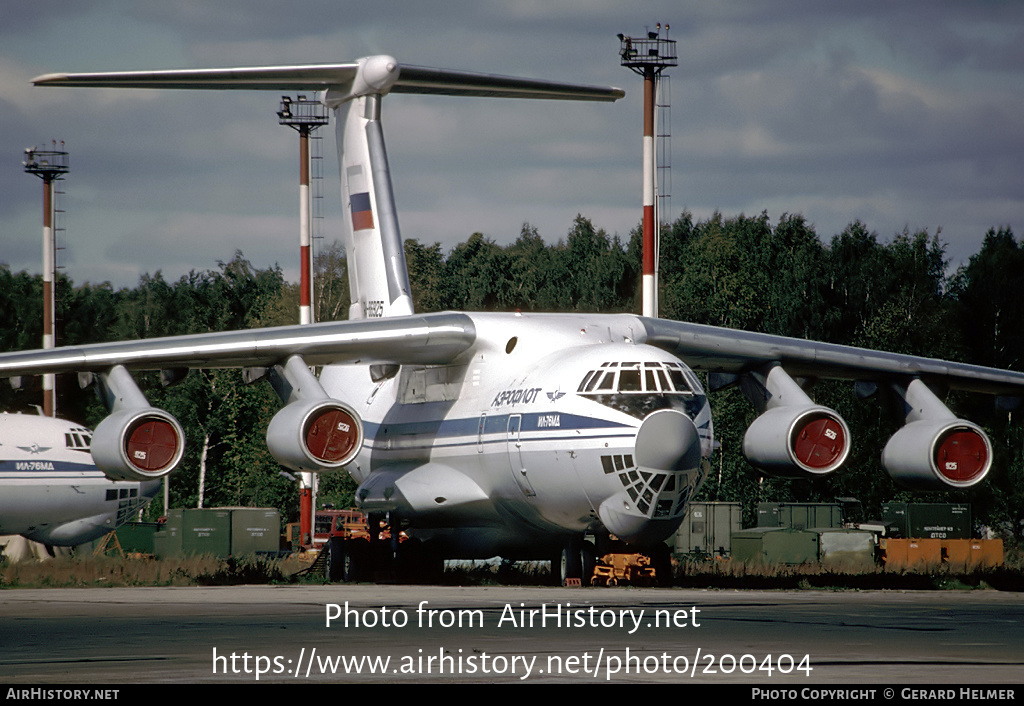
(50, 489)
(549, 426)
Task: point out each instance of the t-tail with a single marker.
(378, 276)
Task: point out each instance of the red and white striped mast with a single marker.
(305, 116)
(649, 56)
(50, 166)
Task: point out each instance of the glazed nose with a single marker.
(667, 441)
(667, 445)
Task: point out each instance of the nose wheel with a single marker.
(575, 563)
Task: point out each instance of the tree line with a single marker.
(743, 272)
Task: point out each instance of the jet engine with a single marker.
(137, 442)
(313, 431)
(797, 442)
(315, 435)
(793, 437)
(935, 450)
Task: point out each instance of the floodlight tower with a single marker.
(649, 56)
(50, 166)
(305, 116)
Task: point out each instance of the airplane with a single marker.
(506, 434)
(50, 489)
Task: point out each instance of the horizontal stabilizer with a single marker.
(275, 78)
(371, 75)
(418, 79)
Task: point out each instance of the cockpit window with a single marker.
(669, 378)
(640, 388)
(78, 439)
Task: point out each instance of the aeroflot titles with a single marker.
(523, 396)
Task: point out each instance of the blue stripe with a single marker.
(360, 202)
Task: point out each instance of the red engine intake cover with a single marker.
(961, 456)
(332, 436)
(820, 442)
(152, 444)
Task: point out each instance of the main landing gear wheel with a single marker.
(416, 563)
(346, 559)
(661, 561)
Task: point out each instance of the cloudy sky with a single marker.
(903, 115)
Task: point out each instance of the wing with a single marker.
(732, 351)
(312, 432)
(423, 339)
(794, 437)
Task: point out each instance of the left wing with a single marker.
(733, 351)
(794, 437)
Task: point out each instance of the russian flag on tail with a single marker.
(362, 214)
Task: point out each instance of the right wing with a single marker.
(420, 339)
(313, 432)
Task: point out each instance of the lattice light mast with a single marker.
(50, 166)
(305, 116)
(648, 56)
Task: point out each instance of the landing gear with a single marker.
(574, 563)
(415, 563)
(571, 565)
(346, 559)
(661, 562)
(588, 557)
(382, 554)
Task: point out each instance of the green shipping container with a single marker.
(799, 515)
(707, 528)
(167, 541)
(929, 520)
(221, 532)
(137, 537)
(775, 545)
(206, 531)
(255, 531)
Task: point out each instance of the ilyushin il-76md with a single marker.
(505, 434)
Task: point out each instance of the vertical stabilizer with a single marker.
(378, 277)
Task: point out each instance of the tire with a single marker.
(570, 563)
(335, 559)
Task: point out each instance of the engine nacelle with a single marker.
(938, 454)
(138, 444)
(315, 435)
(797, 441)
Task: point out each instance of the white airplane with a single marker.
(50, 489)
(483, 434)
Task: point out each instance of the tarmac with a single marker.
(432, 634)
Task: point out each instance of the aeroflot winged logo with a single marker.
(556, 395)
(35, 448)
(362, 214)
